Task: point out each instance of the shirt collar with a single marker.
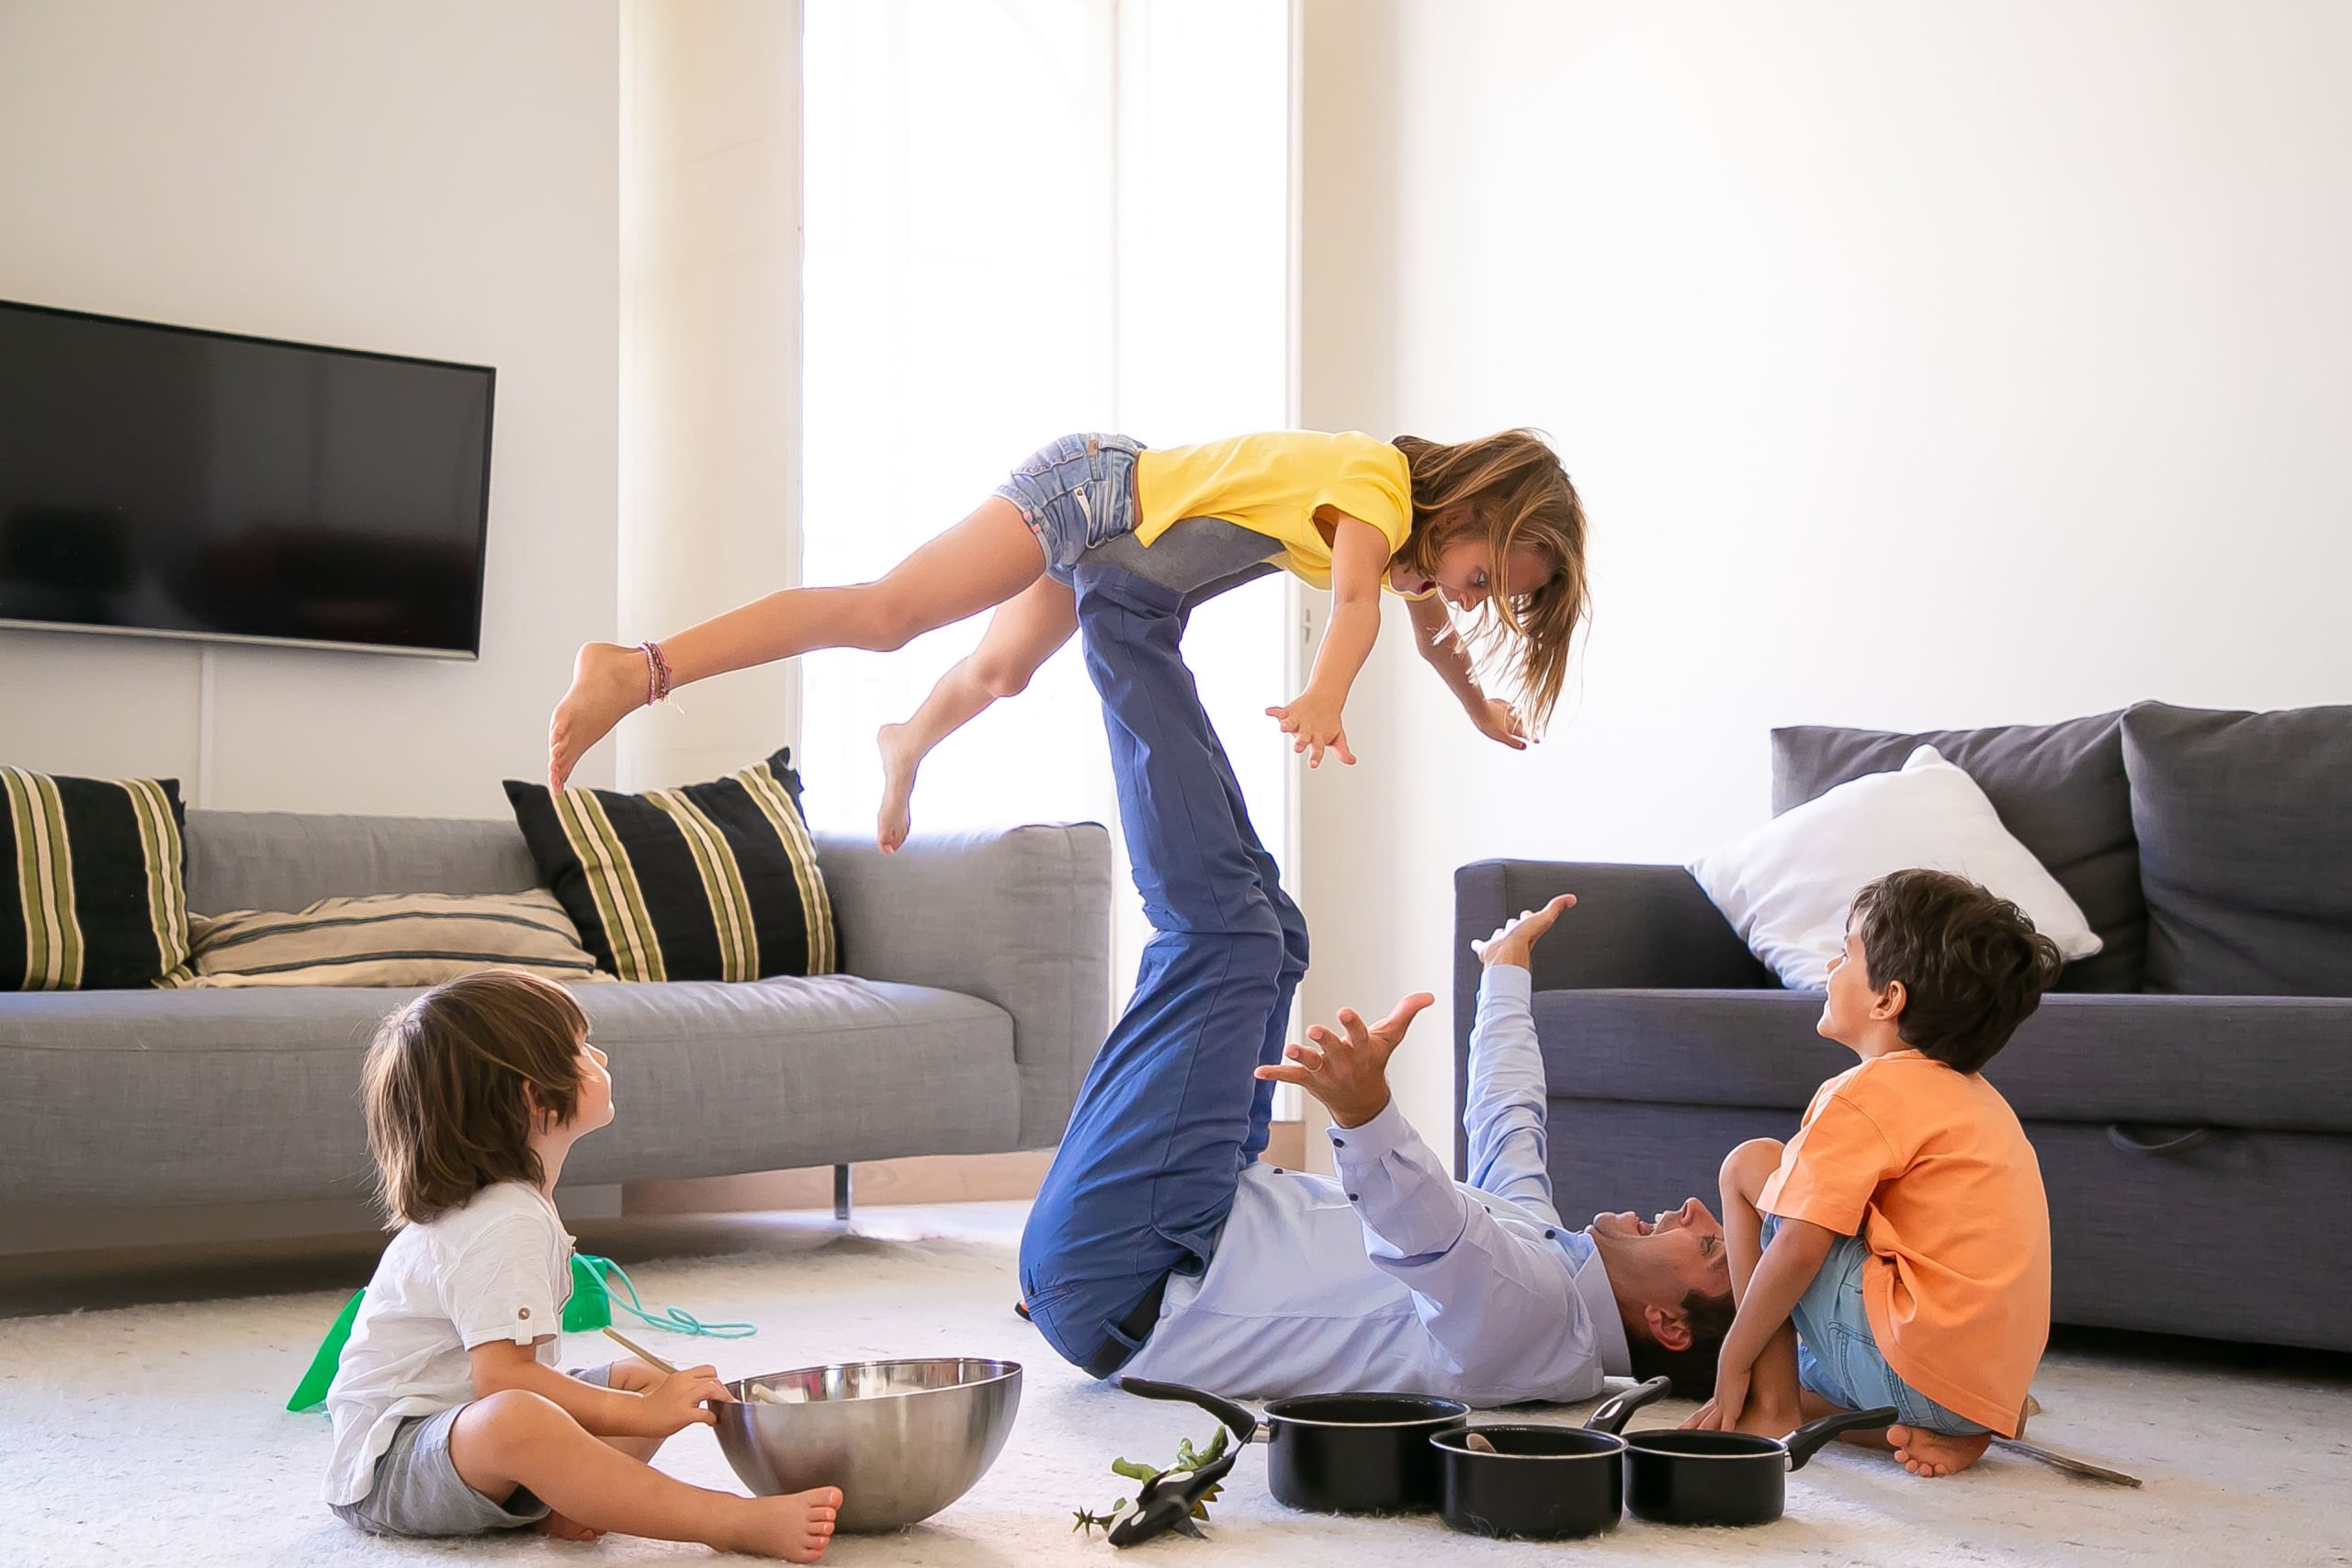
(1608, 1327)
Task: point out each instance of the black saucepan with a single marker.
(1543, 1483)
(1339, 1453)
(1726, 1478)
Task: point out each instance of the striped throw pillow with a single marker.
(391, 939)
(96, 899)
(715, 880)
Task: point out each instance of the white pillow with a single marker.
(1786, 887)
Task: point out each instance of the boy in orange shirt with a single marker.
(1897, 1251)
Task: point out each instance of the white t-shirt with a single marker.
(499, 1267)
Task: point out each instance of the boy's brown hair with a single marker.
(1519, 495)
(447, 1114)
(1971, 965)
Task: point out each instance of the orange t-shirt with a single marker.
(1931, 1167)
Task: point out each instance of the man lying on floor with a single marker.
(1160, 1247)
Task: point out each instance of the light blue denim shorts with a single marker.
(1837, 1353)
(1074, 493)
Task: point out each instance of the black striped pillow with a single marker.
(96, 899)
(715, 880)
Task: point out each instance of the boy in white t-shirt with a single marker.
(450, 1417)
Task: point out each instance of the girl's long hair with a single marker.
(1519, 495)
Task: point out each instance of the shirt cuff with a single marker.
(1506, 982)
(1383, 1134)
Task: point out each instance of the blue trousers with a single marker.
(1171, 1111)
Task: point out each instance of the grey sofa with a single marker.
(975, 995)
(2187, 1090)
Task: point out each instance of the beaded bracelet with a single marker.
(657, 674)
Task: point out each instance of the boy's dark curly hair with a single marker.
(1971, 965)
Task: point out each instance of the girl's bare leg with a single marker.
(985, 560)
(516, 1439)
(1022, 634)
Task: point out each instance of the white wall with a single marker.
(1919, 367)
(438, 179)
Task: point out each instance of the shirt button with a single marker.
(1352, 1198)
(1550, 1234)
(1338, 1143)
(525, 1312)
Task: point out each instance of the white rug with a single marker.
(154, 1434)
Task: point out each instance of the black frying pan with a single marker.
(1339, 1453)
(1543, 1483)
(1726, 1478)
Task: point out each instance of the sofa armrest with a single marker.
(1018, 916)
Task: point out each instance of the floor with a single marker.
(142, 1422)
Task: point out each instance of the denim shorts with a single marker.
(1074, 493)
(1837, 1353)
(418, 1492)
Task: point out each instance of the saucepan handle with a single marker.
(1807, 1440)
(1244, 1424)
(1610, 1415)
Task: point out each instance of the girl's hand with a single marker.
(676, 1402)
(1498, 720)
(1312, 722)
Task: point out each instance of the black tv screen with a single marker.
(173, 482)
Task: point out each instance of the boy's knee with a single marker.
(515, 1416)
(1746, 1168)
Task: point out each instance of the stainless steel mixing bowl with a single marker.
(902, 1439)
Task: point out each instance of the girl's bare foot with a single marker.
(900, 758)
(1934, 1453)
(607, 682)
(798, 1528)
(561, 1529)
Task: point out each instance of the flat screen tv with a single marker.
(167, 481)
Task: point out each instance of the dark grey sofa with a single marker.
(2189, 1091)
(955, 1030)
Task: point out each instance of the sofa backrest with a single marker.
(2059, 787)
(283, 859)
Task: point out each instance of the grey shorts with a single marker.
(417, 1489)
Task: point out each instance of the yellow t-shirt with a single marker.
(1271, 484)
(1931, 1167)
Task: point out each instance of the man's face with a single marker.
(1682, 1245)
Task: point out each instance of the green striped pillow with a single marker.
(715, 880)
(96, 899)
(391, 939)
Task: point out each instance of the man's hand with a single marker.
(1312, 721)
(1350, 1073)
(1515, 942)
(1498, 720)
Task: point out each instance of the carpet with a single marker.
(154, 1433)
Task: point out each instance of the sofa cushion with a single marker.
(2251, 1062)
(2244, 822)
(2059, 787)
(94, 897)
(230, 1096)
(716, 881)
(391, 939)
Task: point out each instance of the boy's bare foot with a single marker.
(607, 682)
(900, 761)
(1934, 1453)
(561, 1529)
(798, 1528)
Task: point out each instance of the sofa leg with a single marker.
(840, 1192)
